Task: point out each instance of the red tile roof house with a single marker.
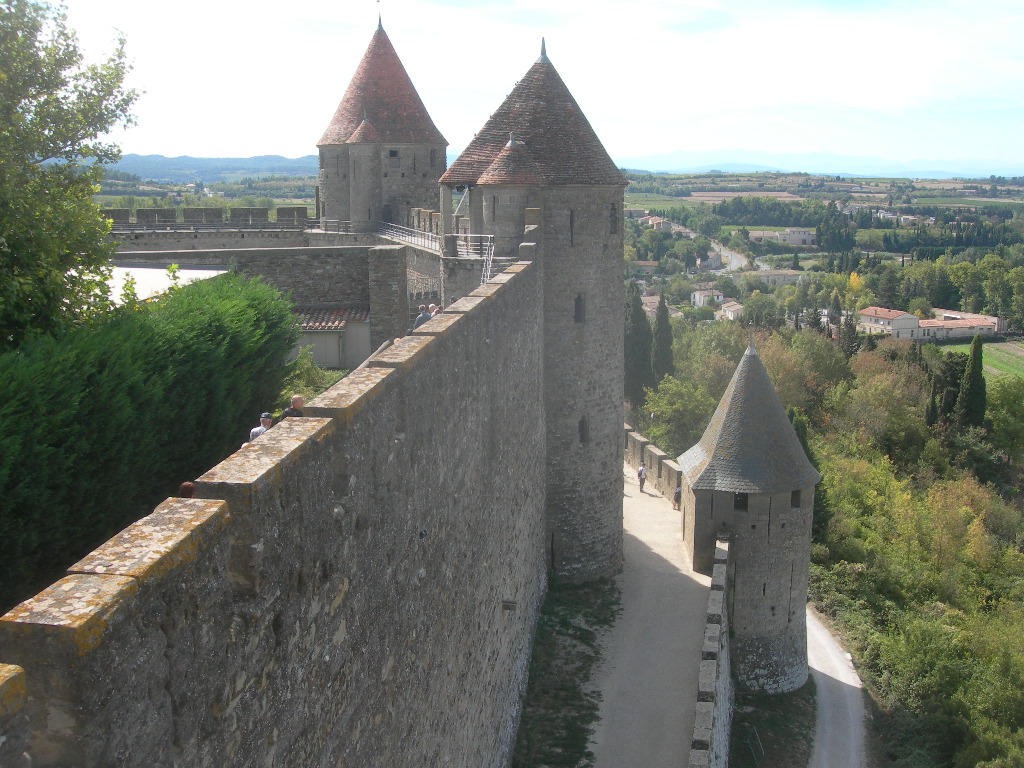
(903, 325)
(936, 330)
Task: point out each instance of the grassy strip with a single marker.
(559, 711)
(997, 360)
(773, 731)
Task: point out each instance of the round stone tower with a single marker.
(408, 150)
(749, 479)
(536, 172)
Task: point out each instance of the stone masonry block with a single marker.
(14, 726)
(169, 538)
(706, 680)
(66, 620)
(716, 606)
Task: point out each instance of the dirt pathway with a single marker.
(647, 681)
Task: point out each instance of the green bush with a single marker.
(101, 424)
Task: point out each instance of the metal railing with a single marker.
(480, 247)
(427, 240)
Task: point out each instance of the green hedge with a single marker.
(100, 425)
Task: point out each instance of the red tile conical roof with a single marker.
(365, 134)
(382, 93)
(546, 118)
(513, 165)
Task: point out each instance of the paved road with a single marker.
(648, 690)
(839, 726)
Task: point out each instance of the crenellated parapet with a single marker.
(320, 568)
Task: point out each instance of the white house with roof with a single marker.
(730, 310)
(705, 297)
(894, 322)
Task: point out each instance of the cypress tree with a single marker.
(848, 342)
(970, 405)
(661, 355)
(931, 410)
(638, 373)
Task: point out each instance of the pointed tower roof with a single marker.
(365, 134)
(546, 118)
(749, 446)
(512, 166)
(381, 92)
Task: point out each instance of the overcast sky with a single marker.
(900, 80)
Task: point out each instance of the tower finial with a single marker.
(380, 23)
(543, 53)
(750, 335)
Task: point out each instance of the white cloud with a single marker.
(890, 79)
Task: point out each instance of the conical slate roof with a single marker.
(749, 446)
(382, 93)
(546, 118)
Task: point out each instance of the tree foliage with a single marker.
(103, 423)
(53, 110)
(661, 353)
(638, 374)
(918, 549)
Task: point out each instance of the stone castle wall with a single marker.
(712, 726)
(319, 274)
(357, 587)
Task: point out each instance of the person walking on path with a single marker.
(641, 476)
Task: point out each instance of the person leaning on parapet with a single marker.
(437, 310)
(422, 317)
(295, 409)
(266, 420)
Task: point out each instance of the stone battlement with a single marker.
(321, 568)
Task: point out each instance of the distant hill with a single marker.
(823, 163)
(182, 170)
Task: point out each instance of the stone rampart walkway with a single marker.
(648, 679)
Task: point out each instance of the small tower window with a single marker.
(794, 499)
(393, 159)
(494, 207)
(414, 162)
(580, 310)
(739, 501)
(584, 431)
(613, 220)
(572, 223)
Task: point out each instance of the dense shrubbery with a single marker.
(918, 532)
(102, 424)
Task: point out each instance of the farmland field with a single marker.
(1003, 359)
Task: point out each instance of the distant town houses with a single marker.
(730, 310)
(704, 298)
(789, 236)
(650, 305)
(948, 324)
(776, 277)
(655, 222)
